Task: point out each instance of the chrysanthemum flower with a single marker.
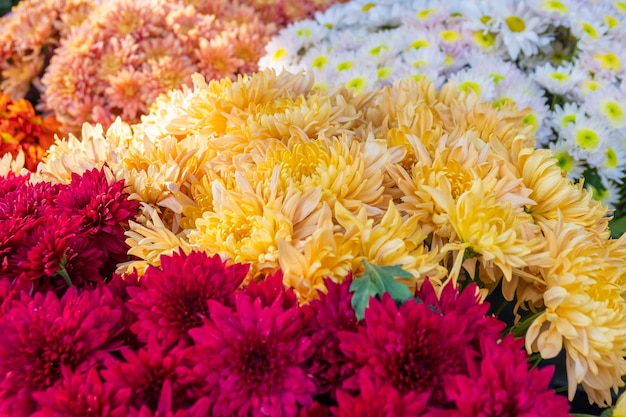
(173, 298)
(255, 359)
(331, 313)
(22, 129)
(81, 394)
(43, 334)
(147, 372)
(410, 348)
(501, 384)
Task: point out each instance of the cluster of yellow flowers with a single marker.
(270, 171)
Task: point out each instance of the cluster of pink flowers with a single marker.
(57, 235)
(188, 340)
(93, 61)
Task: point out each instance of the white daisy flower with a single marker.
(562, 116)
(566, 161)
(609, 104)
(556, 12)
(587, 138)
(611, 166)
(477, 81)
(610, 196)
(561, 80)
(520, 30)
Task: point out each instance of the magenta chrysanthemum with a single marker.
(255, 359)
(43, 334)
(80, 395)
(146, 371)
(330, 314)
(380, 401)
(410, 348)
(100, 210)
(502, 385)
(270, 289)
(172, 299)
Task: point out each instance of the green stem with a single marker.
(63, 272)
(520, 328)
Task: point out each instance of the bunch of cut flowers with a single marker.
(562, 59)
(270, 172)
(94, 60)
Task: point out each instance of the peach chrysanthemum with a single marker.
(584, 309)
(102, 54)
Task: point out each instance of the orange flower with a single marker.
(22, 129)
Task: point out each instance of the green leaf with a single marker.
(617, 227)
(375, 281)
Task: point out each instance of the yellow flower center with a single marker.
(484, 39)
(567, 119)
(450, 36)
(501, 102)
(515, 24)
(620, 6)
(496, 77)
(319, 62)
(554, 6)
(279, 54)
(357, 84)
(466, 86)
(345, 65)
(564, 161)
(419, 43)
(609, 61)
(587, 139)
(559, 76)
(590, 30)
(384, 72)
(590, 85)
(423, 14)
(531, 119)
(611, 158)
(304, 33)
(420, 63)
(378, 49)
(368, 7)
(611, 21)
(599, 194)
(485, 19)
(613, 111)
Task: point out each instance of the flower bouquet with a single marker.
(405, 190)
(563, 60)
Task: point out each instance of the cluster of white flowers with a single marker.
(564, 60)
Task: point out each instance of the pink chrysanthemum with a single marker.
(100, 210)
(255, 359)
(43, 334)
(330, 314)
(172, 299)
(502, 385)
(164, 408)
(146, 372)
(81, 395)
(410, 348)
(380, 401)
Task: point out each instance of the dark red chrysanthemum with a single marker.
(380, 401)
(82, 395)
(330, 314)
(54, 258)
(40, 335)
(172, 299)
(471, 315)
(270, 289)
(28, 202)
(146, 371)
(254, 359)
(410, 348)
(501, 384)
(100, 210)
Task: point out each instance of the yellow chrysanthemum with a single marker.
(584, 310)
